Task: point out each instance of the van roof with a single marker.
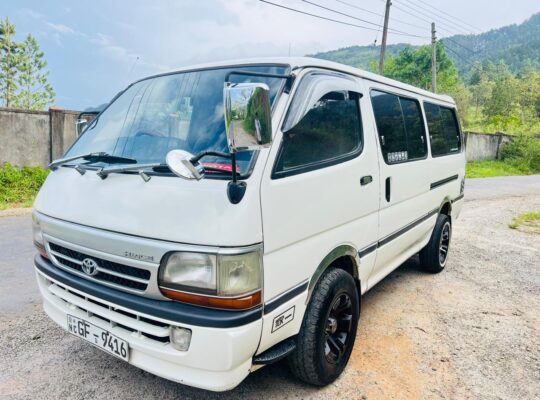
(303, 62)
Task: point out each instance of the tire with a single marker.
(433, 257)
(328, 331)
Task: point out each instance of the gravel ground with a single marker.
(472, 331)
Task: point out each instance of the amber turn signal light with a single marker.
(236, 303)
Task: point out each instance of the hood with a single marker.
(166, 208)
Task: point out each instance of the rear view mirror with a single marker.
(83, 120)
(81, 125)
(248, 119)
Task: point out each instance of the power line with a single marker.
(416, 9)
(460, 45)
(449, 15)
(380, 15)
(422, 19)
(326, 18)
(359, 19)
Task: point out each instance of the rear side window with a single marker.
(328, 133)
(400, 126)
(443, 129)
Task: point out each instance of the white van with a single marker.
(219, 218)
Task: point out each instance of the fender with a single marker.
(340, 251)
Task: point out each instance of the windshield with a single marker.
(177, 111)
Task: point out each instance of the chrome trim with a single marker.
(59, 264)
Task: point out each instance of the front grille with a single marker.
(108, 271)
(118, 319)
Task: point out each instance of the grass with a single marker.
(19, 186)
(529, 222)
(486, 169)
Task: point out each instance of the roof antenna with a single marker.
(131, 70)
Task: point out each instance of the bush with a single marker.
(19, 186)
(523, 151)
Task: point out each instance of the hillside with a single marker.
(517, 45)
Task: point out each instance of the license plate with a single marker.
(98, 337)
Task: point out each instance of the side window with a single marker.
(443, 129)
(400, 126)
(328, 133)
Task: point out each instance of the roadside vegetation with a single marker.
(520, 157)
(528, 222)
(19, 186)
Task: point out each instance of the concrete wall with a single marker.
(35, 137)
(481, 146)
(24, 137)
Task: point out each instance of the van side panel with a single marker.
(308, 215)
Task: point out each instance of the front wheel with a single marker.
(433, 257)
(328, 331)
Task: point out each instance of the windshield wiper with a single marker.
(93, 157)
(104, 172)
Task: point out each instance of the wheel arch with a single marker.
(344, 257)
(446, 207)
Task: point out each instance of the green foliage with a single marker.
(413, 65)
(525, 151)
(256, 108)
(18, 187)
(487, 169)
(530, 221)
(23, 81)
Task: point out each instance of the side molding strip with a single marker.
(458, 198)
(285, 297)
(366, 250)
(443, 181)
(398, 233)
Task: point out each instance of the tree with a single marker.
(9, 62)
(414, 66)
(504, 99)
(35, 91)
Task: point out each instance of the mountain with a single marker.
(517, 45)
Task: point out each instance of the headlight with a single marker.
(37, 236)
(213, 280)
(191, 270)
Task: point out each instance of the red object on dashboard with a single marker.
(223, 167)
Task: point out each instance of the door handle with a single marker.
(365, 180)
(387, 186)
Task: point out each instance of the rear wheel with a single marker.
(328, 331)
(433, 257)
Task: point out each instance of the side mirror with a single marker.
(179, 162)
(83, 120)
(81, 125)
(248, 118)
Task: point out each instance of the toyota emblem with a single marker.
(90, 267)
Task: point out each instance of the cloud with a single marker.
(61, 28)
(27, 12)
(113, 51)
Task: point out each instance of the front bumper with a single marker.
(222, 343)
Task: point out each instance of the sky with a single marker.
(94, 49)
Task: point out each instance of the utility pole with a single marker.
(384, 35)
(433, 59)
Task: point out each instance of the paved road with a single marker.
(503, 186)
(470, 332)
